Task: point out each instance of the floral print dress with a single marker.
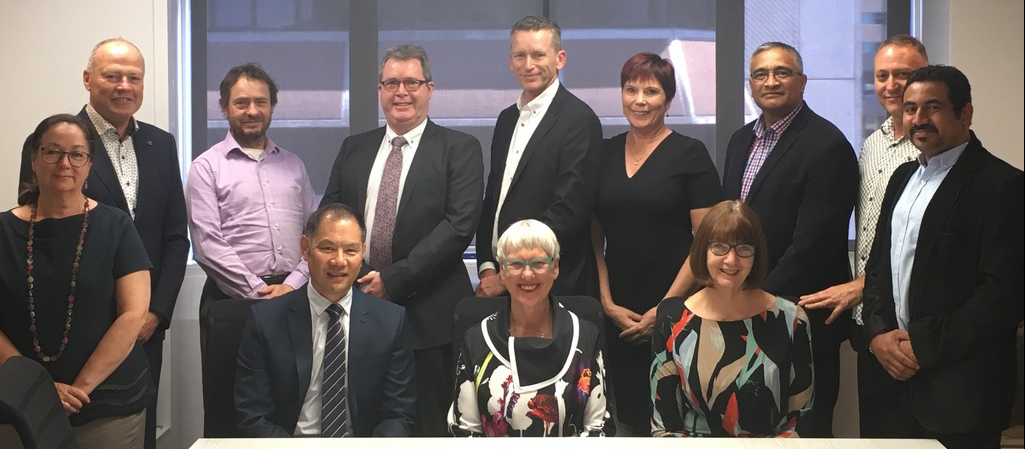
(750, 377)
(530, 387)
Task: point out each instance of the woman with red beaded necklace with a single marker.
(74, 289)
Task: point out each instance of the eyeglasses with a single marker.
(722, 249)
(412, 85)
(780, 73)
(539, 265)
(75, 158)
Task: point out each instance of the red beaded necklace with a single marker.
(71, 294)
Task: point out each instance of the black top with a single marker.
(646, 218)
(112, 249)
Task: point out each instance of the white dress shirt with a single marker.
(377, 170)
(121, 154)
(907, 221)
(309, 415)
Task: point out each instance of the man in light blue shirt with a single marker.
(943, 286)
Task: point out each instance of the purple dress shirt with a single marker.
(246, 216)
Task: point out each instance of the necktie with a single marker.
(387, 201)
(334, 415)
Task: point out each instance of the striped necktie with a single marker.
(334, 415)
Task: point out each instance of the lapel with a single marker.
(940, 207)
(547, 122)
(429, 143)
(359, 339)
(300, 331)
(790, 136)
(363, 159)
(148, 161)
(102, 174)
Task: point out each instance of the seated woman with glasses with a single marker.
(74, 289)
(730, 360)
(533, 368)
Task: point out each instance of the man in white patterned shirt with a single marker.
(882, 152)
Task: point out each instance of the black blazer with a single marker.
(438, 212)
(555, 182)
(160, 207)
(965, 295)
(804, 194)
(275, 359)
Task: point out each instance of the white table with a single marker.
(565, 443)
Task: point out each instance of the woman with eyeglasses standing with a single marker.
(730, 360)
(74, 289)
(533, 368)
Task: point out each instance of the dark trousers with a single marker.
(825, 347)
(154, 348)
(435, 383)
(886, 411)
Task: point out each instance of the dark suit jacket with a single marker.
(804, 194)
(275, 359)
(160, 207)
(965, 295)
(437, 214)
(555, 182)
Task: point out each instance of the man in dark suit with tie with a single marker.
(943, 289)
(420, 186)
(327, 359)
(545, 162)
(799, 173)
(135, 168)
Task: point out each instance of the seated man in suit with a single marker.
(299, 375)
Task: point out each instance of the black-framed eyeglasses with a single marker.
(722, 249)
(75, 158)
(411, 85)
(780, 73)
(539, 265)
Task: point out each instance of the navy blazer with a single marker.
(275, 359)
(556, 182)
(965, 295)
(160, 216)
(804, 195)
(435, 222)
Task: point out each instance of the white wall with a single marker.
(45, 48)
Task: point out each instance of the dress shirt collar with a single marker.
(780, 125)
(541, 101)
(943, 160)
(103, 126)
(412, 137)
(230, 144)
(319, 304)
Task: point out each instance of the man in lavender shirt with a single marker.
(247, 200)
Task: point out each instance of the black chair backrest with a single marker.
(28, 399)
(472, 310)
(226, 319)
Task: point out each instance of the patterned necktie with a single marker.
(387, 201)
(334, 414)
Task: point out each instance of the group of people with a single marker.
(725, 303)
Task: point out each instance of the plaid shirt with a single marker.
(765, 140)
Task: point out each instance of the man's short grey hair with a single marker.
(538, 23)
(405, 52)
(528, 234)
(773, 45)
(905, 40)
(91, 64)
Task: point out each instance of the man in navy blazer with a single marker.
(281, 358)
(135, 168)
(799, 173)
(943, 285)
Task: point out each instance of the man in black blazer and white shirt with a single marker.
(943, 285)
(136, 169)
(415, 252)
(799, 173)
(545, 163)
